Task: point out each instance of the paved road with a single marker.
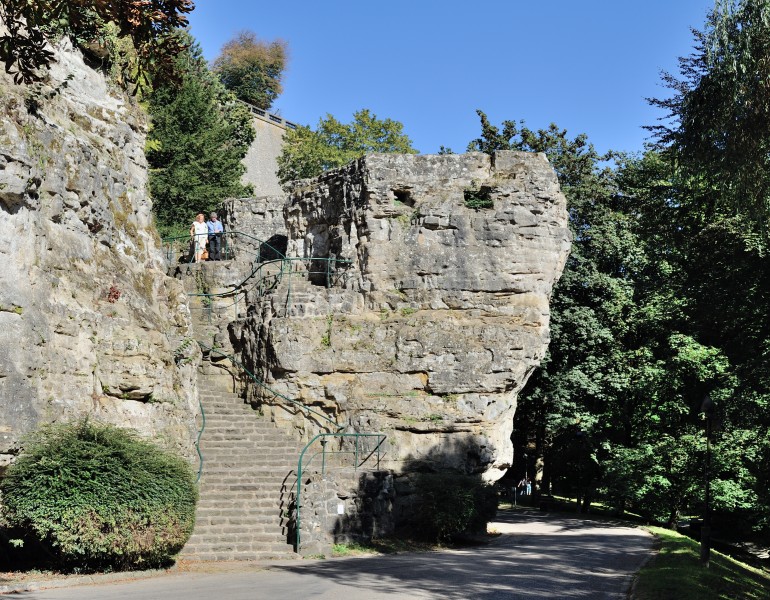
(537, 556)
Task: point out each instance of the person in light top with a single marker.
(199, 233)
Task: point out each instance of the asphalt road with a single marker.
(537, 556)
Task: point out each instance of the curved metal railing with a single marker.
(331, 424)
(180, 248)
(266, 276)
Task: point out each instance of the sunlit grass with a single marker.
(676, 572)
(383, 546)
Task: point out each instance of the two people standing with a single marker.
(207, 233)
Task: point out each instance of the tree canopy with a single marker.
(664, 299)
(719, 114)
(252, 69)
(199, 137)
(307, 153)
(151, 26)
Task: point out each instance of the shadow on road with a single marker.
(536, 555)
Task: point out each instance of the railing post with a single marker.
(323, 456)
(356, 463)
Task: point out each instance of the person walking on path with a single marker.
(215, 232)
(199, 233)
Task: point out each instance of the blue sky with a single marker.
(587, 66)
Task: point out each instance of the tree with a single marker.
(199, 137)
(151, 26)
(252, 69)
(719, 115)
(307, 153)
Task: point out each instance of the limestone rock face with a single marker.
(89, 322)
(438, 317)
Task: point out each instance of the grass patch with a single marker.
(389, 545)
(676, 572)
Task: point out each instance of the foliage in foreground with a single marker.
(96, 496)
(150, 25)
(676, 572)
(451, 504)
(307, 153)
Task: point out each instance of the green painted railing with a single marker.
(360, 457)
(198, 440)
(266, 276)
(174, 248)
(330, 423)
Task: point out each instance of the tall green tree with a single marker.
(252, 69)
(199, 137)
(718, 139)
(719, 115)
(307, 153)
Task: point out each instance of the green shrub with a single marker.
(96, 496)
(451, 504)
(478, 197)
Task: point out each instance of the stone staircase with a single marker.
(249, 472)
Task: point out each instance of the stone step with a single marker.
(248, 555)
(226, 448)
(230, 427)
(260, 440)
(210, 467)
(238, 532)
(230, 508)
(230, 500)
(248, 476)
(241, 545)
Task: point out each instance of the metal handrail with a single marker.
(198, 440)
(322, 436)
(335, 426)
(287, 268)
(184, 240)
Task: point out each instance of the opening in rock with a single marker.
(404, 197)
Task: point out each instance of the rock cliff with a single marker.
(433, 310)
(89, 322)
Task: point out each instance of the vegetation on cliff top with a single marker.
(151, 26)
(307, 153)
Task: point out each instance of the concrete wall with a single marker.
(261, 158)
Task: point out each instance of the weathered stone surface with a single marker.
(251, 222)
(89, 322)
(434, 325)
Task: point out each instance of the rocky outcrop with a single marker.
(89, 322)
(431, 314)
(255, 226)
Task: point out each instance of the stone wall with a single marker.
(261, 159)
(258, 217)
(434, 325)
(345, 506)
(91, 324)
